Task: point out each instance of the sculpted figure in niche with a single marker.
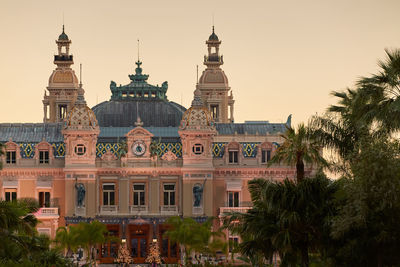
(80, 192)
(197, 194)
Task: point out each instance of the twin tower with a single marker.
(64, 85)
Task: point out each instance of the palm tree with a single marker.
(383, 89)
(344, 124)
(194, 237)
(67, 238)
(288, 218)
(298, 148)
(182, 232)
(91, 235)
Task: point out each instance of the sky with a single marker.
(280, 57)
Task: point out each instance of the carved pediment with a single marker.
(169, 156)
(10, 145)
(139, 131)
(108, 156)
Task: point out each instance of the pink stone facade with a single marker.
(143, 177)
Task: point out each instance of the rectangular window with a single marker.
(43, 157)
(233, 199)
(44, 199)
(108, 194)
(265, 156)
(11, 194)
(11, 157)
(169, 194)
(139, 195)
(233, 156)
(233, 243)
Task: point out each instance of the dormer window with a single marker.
(43, 153)
(265, 155)
(233, 156)
(265, 152)
(11, 157)
(43, 157)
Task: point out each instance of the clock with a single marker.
(139, 148)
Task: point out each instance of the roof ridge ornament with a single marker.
(138, 88)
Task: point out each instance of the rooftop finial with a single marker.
(197, 73)
(213, 21)
(80, 75)
(138, 58)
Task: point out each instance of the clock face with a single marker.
(138, 148)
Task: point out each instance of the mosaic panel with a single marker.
(27, 150)
(218, 150)
(249, 149)
(58, 150)
(102, 148)
(275, 145)
(175, 148)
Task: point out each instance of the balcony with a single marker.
(138, 210)
(44, 213)
(242, 207)
(63, 57)
(108, 209)
(169, 210)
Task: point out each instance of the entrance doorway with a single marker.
(138, 242)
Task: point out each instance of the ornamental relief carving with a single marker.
(169, 156)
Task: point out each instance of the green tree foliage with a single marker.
(195, 237)
(84, 235)
(67, 239)
(367, 223)
(382, 90)
(20, 243)
(297, 149)
(287, 218)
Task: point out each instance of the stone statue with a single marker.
(197, 194)
(81, 191)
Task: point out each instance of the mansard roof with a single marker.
(51, 132)
(261, 128)
(31, 132)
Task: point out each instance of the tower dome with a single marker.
(213, 36)
(63, 35)
(197, 116)
(81, 117)
(138, 99)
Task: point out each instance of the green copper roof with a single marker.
(63, 36)
(138, 88)
(213, 36)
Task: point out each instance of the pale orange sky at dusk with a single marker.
(281, 57)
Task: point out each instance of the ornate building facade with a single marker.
(139, 158)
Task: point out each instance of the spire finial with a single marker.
(80, 75)
(138, 58)
(197, 73)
